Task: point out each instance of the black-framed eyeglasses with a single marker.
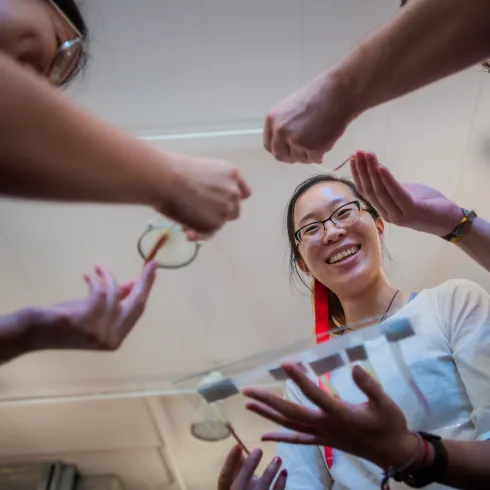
(65, 60)
(343, 217)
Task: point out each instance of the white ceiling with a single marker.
(161, 68)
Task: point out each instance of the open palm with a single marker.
(415, 206)
(375, 430)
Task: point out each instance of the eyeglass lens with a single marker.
(343, 217)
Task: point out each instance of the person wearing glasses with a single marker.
(427, 41)
(368, 433)
(51, 149)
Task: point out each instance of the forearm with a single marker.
(14, 335)
(477, 242)
(51, 149)
(468, 464)
(426, 41)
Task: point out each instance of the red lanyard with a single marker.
(320, 309)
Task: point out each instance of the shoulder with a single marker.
(462, 305)
(457, 294)
(459, 287)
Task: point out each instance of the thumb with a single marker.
(369, 386)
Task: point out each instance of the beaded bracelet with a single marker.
(393, 472)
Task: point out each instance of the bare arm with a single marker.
(51, 149)
(13, 335)
(100, 321)
(427, 41)
(468, 464)
(477, 243)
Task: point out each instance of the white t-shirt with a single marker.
(454, 319)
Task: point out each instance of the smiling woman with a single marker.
(335, 238)
(307, 228)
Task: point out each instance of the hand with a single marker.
(307, 124)
(375, 430)
(413, 206)
(238, 472)
(102, 321)
(206, 194)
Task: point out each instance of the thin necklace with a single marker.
(389, 306)
(346, 327)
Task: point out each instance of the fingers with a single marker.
(195, 236)
(134, 305)
(319, 397)
(369, 386)
(111, 306)
(248, 468)
(111, 288)
(278, 418)
(227, 473)
(270, 473)
(280, 147)
(361, 176)
(396, 190)
(298, 155)
(245, 190)
(357, 175)
(292, 438)
(386, 203)
(283, 408)
(97, 294)
(280, 483)
(267, 135)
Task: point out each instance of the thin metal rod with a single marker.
(162, 240)
(237, 438)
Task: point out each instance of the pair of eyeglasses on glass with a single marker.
(345, 216)
(167, 245)
(65, 60)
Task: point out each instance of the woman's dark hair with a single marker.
(71, 10)
(335, 310)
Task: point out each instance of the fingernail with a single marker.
(277, 460)
(283, 473)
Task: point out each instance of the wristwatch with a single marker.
(462, 228)
(421, 477)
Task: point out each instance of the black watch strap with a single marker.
(426, 475)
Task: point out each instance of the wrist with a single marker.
(15, 331)
(451, 219)
(162, 182)
(43, 327)
(407, 451)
